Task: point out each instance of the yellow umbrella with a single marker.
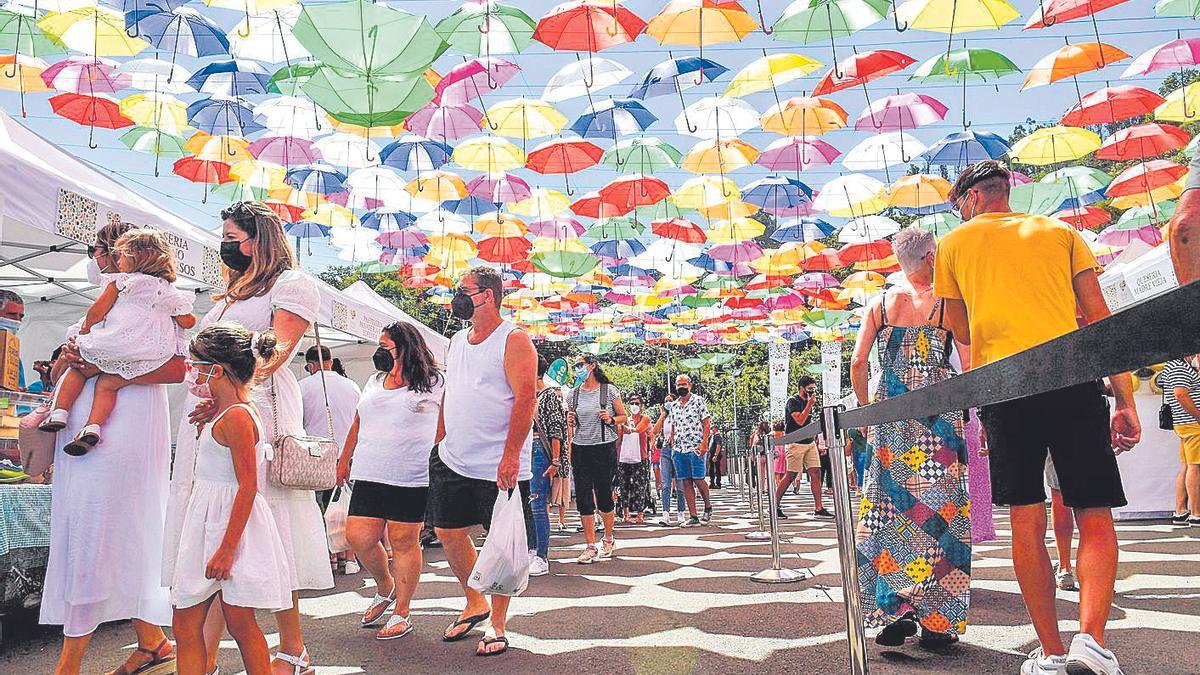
(804, 116)
(1051, 145)
(388, 132)
(700, 22)
(649, 302)
(490, 154)
(779, 262)
(542, 203)
(218, 148)
(453, 246)
(887, 263)
(955, 16)
(1181, 105)
(704, 192)
(548, 244)
(156, 111)
(25, 75)
(437, 186)
(769, 72)
(735, 208)
(919, 190)
(734, 231)
(525, 118)
(864, 281)
(718, 156)
(258, 174)
(331, 215)
(94, 30)
(500, 225)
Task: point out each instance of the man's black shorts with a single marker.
(456, 501)
(1072, 424)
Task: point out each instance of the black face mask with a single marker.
(681, 391)
(462, 306)
(232, 256)
(383, 360)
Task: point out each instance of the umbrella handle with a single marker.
(688, 122)
(487, 21)
(762, 20)
(247, 33)
(1045, 19)
(91, 132)
(896, 19)
(587, 84)
(616, 24)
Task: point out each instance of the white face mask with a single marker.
(93, 272)
(636, 409)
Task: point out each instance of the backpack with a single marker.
(574, 406)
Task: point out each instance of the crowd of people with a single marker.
(204, 539)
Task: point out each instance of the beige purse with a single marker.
(304, 462)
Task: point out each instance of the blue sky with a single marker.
(1130, 26)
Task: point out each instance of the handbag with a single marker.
(36, 446)
(1165, 419)
(303, 462)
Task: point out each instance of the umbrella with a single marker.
(1084, 218)
(900, 112)
(613, 118)
(736, 230)
(939, 224)
(1053, 12)
(290, 116)
(490, 154)
(859, 69)
(541, 203)
(718, 156)
(1112, 104)
(776, 193)
(882, 151)
(701, 22)
(1142, 141)
(487, 27)
(627, 192)
(919, 191)
(674, 75)
(1145, 177)
(955, 16)
(500, 225)
(642, 154)
(20, 34)
(704, 192)
(563, 156)
(769, 72)
(359, 37)
(181, 30)
(852, 195)
(807, 21)
(801, 230)
(1070, 61)
(233, 79)
(156, 111)
(1116, 235)
(679, 229)
(472, 79)
(966, 147)
(1184, 9)
(581, 78)
(588, 26)
(557, 227)
(437, 186)
(502, 188)
(268, 36)
(961, 65)
(316, 178)
(22, 73)
(714, 116)
(1180, 105)
(445, 121)
(206, 172)
(867, 229)
(90, 111)
(797, 153)
(504, 250)
(153, 142)
(564, 264)
(154, 75)
(1050, 145)
(415, 153)
(618, 249)
(525, 118)
(84, 75)
(347, 151)
(94, 30)
(369, 101)
(804, 115)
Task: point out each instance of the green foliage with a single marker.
(411, 300)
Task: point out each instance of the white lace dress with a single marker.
(259, 577)
(138, 335)
(301, 526)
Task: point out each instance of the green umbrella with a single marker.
(719, 281)
(370, 101)
(597, 348)
(240, 192)
(615, 228)
(289, 79)
(692, 363)
(961, 65)
(364, 38)
(1181, 9)
(696, 301)
(818, 20)
(717, 358)
(564, 264)
(154, 142)
(487, 28)
(1038, 198)
(816, 368)
(20, 34)
(939, 224)
(664, 210)
(1080, 180)
(642, 155)
(377, 268)
(825, 318)
(1140, 216)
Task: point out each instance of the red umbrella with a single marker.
(1145, 177)
(288, 213)
(742, 302)
(634, 190)
(1084, 218)
(203, 171)
(865, 252)
(860, 69)
(91, 112)
(1142, 141)
(824, 261)
(1051, 12)
(563, 156)
(504, 249)
(679, 229)
(588, 26)
(592, 206)
(1112, 104)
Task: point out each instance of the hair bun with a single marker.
(266, 345)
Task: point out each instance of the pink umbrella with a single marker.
(284, 150)
(473, 79)
(800, 210)
(1169, 55)
(363, 202)
(1113, 235)
(503, 188)
(409, 237)
(558, 227)
(741, 252)
(447, 122)
(789, 300)
(900, 112)
(88, 75)
(816, 281)
(795, 153)
(706, 337)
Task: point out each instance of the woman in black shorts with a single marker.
(387, 458)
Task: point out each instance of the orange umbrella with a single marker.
(1072, 60)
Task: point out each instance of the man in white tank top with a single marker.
(483, 439)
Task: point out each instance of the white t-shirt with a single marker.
(343, 400)
(396, 428)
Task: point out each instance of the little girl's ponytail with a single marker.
(241, 352)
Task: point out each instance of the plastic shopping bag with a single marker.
(503, 564)
(335, 520)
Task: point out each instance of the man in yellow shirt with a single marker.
(1012, 281)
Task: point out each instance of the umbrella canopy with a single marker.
(716, 117)
(796, 154)
(584, 77)
(1072, 60)
(472, 79)
(181, 30)
(804, 116)
(900, 112)
(588, 26)
(94, 30)
(1051, 145)
(487, 27)
(808, 21)
(1112, 104)
(525, 118)
(674, 75)
(859, 69)
(955, 16)
(1052, 12)
(643, 154)
(448, 122)
(701, 22)
(966, 147)
(959, 65)
(359, 37)
(1142, 141)
(769, 72)
(613, 118)
(719, 156)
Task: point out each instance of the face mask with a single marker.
(581, 375)
(681, 391)
(462, 306)
(195, 386)
(383, 360)
(11, 325)
(232, 256)
(637, 409)
(93, 272)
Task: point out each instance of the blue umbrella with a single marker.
(389, 220)
(710, 264)
(925, 210)
(319, 178)
(627, 270)
(181, 30)
(966, 147)
(618, 248)
(774, 193)
(1083, 200)
(414, 152)
(801, 230)
(612, 118)
(470, 206)
(220, 116)
(238, 77)
(674, 75)
(306, 229)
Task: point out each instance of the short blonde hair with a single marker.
(150, 252)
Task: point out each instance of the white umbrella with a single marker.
(379, 183)
(717, 117)
(845, 192)
(584, 76)
(291, 116)
(267, 36)
(441, 221)
(867, 228)
(347, 151)
(156, 75)
(669, 257)
(883, 150)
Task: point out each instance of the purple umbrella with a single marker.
(788, 300)
(88, 75)
(502, 188)
(406, 238)
(815, 281)
(900, 112)
(741, 252)
(1114, 235)
(795, 153)
(284, 150)
(558, 227)
(471, 80)
(447, 122)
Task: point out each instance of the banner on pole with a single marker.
(779, 361)
(831, 376)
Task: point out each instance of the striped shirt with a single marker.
(589, 430)
(1179, 373)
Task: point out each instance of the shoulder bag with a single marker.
(304, 462)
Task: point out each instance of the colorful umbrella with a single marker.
(717, 116)
(588, 26)
(701, 22)
(1142, 141)
(472, 79)
(859, 69)
(674, 75)
(1071, 61)
(796, 154)
(268, 36)
(955, 16)
(719, 156)
(445, 121)
(487, 27)
(1180, 105)
(525, 118)
(94, 30)
(613, 118)
(803, 116)
(1050, 145)
(90, 111)
(900, 112)
(20, 34)
(806, 21)
(1053, 12)
(961, 65)
(1112, 104)
(581, 78)
(85, 75)
(966, 147)
(563, 156)
(359, 37)
(643, 154)
(489, 154)
(181, 30)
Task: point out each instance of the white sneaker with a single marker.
(606, 549)
(588, 556)
(667, 520)
(352, 567)
(1040, 664)
(1064, 580)
(539, 567)
(1087, 657)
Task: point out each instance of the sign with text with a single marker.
(779, 357)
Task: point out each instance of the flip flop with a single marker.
(488, 641)
(470, 622)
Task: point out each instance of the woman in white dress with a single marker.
(106, 516)
(264, 291)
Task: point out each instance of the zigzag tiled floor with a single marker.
(680, 600)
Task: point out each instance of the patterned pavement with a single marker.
(681, 601)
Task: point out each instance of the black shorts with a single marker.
(456, 501)
(389, 502)
(1072, 424)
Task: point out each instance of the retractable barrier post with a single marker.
(843, 516)
(756, 501)
(776, 573)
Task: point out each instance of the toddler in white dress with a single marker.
(134, 327)
(229, 545)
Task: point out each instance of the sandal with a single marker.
(487, 641)
(396, 627)
(162, 661)
(470, 622)
(55, 421)
(87, 439)
(379, 606)
(300, 664)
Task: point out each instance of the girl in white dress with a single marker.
(133, 328)
(229, 545)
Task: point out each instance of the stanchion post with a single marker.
(756, 502)
(843, 516)
(776, 573)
